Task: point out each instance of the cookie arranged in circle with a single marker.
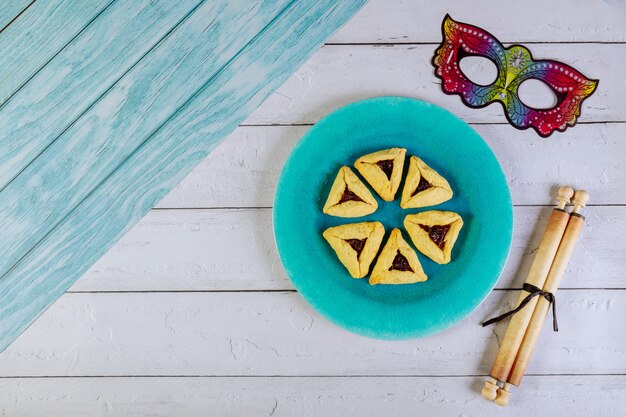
(434, 233)
(349, 197)
(424, 186)
(356, 245)
(397, 263)
(383, 171)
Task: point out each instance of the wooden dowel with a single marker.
(563, 255)
(536, 276)
(490, 390)
(503, 395)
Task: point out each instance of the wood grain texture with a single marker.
(10, 10)
(576, 396)
(242, 171)
(398, 21)
(223, 250)
(161, 160)
(78, 76)
(38, 35)
(279, 334)
(341, 74)
(266, 333)
(87, 153)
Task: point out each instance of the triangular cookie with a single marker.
(383, 171)
(349, 197)
(424, 186)
(397, 263)
(434, 232)
(356, 245)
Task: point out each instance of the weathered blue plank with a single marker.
(39, 34)
(10, 9)
(163, 159)
(54, 98)
(105, 135)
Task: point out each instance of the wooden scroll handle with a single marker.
(536, 276)
(563, 255)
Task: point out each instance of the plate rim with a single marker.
(368, 332)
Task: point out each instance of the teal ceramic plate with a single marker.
(481, 197)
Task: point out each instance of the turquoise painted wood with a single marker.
(36, 200)
(139, 140)
(81, 73)
(10, 9)
(39, 34)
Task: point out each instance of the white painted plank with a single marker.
(192, 250)
(279, 334)
(338, 75)
(540, 396)
(40, 33)
(10, 9)
(235, 250)
(243, 171)
(510, 21)
(63, 90)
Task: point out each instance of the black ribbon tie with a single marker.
(533, 292)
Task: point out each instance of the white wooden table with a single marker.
(191, 313)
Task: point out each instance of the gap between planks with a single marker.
(300, 376)
(592, 122)
(382, 43)
(288, 291)
(507, 43)
(17, 16)
(54, 54)
(269, 207)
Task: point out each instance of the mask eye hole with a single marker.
(536, 94)
(479, 70)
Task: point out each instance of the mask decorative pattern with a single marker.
(515, 65)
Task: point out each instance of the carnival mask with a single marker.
(515, 65)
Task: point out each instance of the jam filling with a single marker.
(400, 263)
(349, 196)
(386, 166)
(423, 185)
(437, 233)
(357, 245)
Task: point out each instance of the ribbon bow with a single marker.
(533, 292)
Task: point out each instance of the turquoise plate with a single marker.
(481, 197)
